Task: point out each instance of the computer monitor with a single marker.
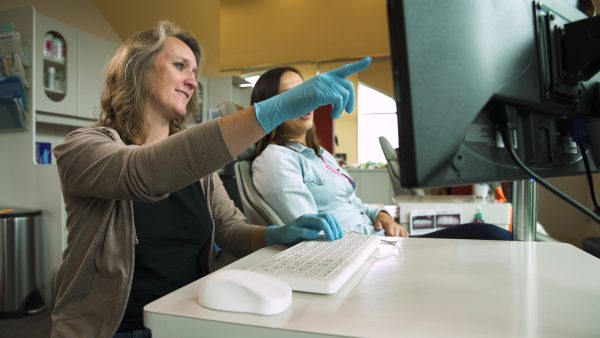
(458, 64)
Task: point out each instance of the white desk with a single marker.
(433, 288)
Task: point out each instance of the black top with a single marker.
(171, 235)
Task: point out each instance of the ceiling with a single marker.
(242, 34)
(239, 35)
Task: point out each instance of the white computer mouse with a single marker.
(244, 291)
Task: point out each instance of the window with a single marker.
(376, 117)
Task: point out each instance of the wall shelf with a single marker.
(54, 61)
(63, 120)
(54, 91)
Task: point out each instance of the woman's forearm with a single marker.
(258, 239)
(240, 130)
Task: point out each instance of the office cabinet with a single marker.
(221, 89)
(55, 65)
(64, 71)
(69, 73)
(94, 54)
(373, 186)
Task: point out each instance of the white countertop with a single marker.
(433, 287)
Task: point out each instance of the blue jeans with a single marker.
(144, 333)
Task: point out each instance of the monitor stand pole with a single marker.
(524, 201)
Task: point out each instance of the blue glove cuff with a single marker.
(270, 235)
(267, 118)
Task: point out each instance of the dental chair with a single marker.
(393, 169)
(255, 208)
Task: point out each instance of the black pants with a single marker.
(144, 333)
(472, 231)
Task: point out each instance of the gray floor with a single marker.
(32, 326)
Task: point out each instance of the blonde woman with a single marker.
(144, 206)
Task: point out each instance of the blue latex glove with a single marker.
(324, 89)
(305, 227)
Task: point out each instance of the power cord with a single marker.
(504, 127)
(396, 243)
(577, 130)
(590, 179)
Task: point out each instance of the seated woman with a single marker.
(296, 176)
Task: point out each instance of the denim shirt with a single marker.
(294, 181)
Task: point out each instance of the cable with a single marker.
(505, 132)
(396, 246)
(590, 179)
(578, 134)
(587, 95)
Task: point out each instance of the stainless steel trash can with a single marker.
(20, 262)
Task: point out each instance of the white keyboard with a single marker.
(320, 266)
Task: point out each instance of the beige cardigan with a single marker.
(100, 176)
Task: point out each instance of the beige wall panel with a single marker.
(199, 17)
(379, 76)
(561, 220)
(267, 32)
(82, 14)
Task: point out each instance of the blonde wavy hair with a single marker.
(128, 82)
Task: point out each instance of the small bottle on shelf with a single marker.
(59, 49)
(51, 78)
(48, 48)
(59, 82)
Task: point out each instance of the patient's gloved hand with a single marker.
(305, 227)
(324, 89)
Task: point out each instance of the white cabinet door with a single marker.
(94, 54)
(224, 88)
(373, 185)
(55, 87)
